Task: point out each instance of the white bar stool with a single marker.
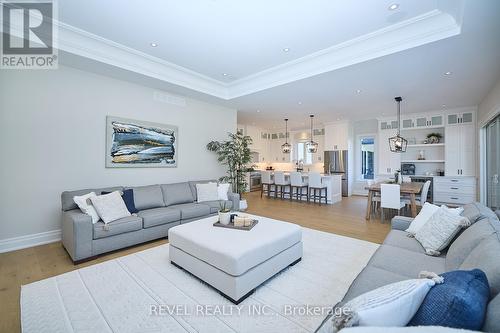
(297, 182)
(281, 184)
(267, 182)
(316, 185)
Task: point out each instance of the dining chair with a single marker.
(423, 195)
(390, 197)
(315, 184)
(298, 183)
(266, 183)
(281, 184)
(375, 197)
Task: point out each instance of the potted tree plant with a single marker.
(235, 154)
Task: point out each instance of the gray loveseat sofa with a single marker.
(160, 208)
(401, 258)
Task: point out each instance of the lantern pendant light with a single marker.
(311, 146)
(397, 144)
(286, 147)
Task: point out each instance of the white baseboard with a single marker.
(363, 193)
(22, 242)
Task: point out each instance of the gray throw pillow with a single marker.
(440, 230)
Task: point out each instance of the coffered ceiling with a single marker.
(271, 59)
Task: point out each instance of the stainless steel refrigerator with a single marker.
(336, 163)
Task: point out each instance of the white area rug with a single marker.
(143, 292)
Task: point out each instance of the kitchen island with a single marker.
(333, 185)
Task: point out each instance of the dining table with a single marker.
(410, 189)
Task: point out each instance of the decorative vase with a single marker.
(243, 205)
(224, 217)
(421, 155)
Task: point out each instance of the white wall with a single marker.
(362, 127)
(53, 139)
(489, 106)
(486, 111)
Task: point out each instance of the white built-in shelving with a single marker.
(425, 145)
(422, 161)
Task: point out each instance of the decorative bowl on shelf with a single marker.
(433, 138)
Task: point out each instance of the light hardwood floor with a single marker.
(25, 266)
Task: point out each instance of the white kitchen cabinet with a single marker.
(422, 121)
(388, 124)
(336, 136)
(275, 153)
(388, 162)
(265, 153)
(429, 121)
(260, 142)
(454, 190)
(460, 150)
(460, 118)
(407, 123)
(254, 133)
(320, 154)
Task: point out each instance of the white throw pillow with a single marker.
(110, 207)
(421, 219)
(222, 191)
(207, 192)
(85, 205)
(391, 305)
(442, 227)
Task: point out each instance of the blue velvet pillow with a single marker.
(128, 198)
(459, 302)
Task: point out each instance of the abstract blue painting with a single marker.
(135, 143)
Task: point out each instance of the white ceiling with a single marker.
(417, 74)
(239, 38)
(198, 41)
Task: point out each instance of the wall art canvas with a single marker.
(134, 143)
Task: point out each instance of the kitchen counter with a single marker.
(333, 184)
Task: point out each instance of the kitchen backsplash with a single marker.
(289, 166)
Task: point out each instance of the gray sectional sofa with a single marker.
(401, 257)
(160, 208)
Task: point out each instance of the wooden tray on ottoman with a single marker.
(231, 225)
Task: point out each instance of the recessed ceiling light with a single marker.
(286, 49)
(153, 44)
(225, 74)
(447, 73)
(444, 105)
(300, 103)
(394, 6)
(258, 111)
(358, 91)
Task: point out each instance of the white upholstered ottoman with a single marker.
(235, 262)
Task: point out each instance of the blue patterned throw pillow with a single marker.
(460, 302)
